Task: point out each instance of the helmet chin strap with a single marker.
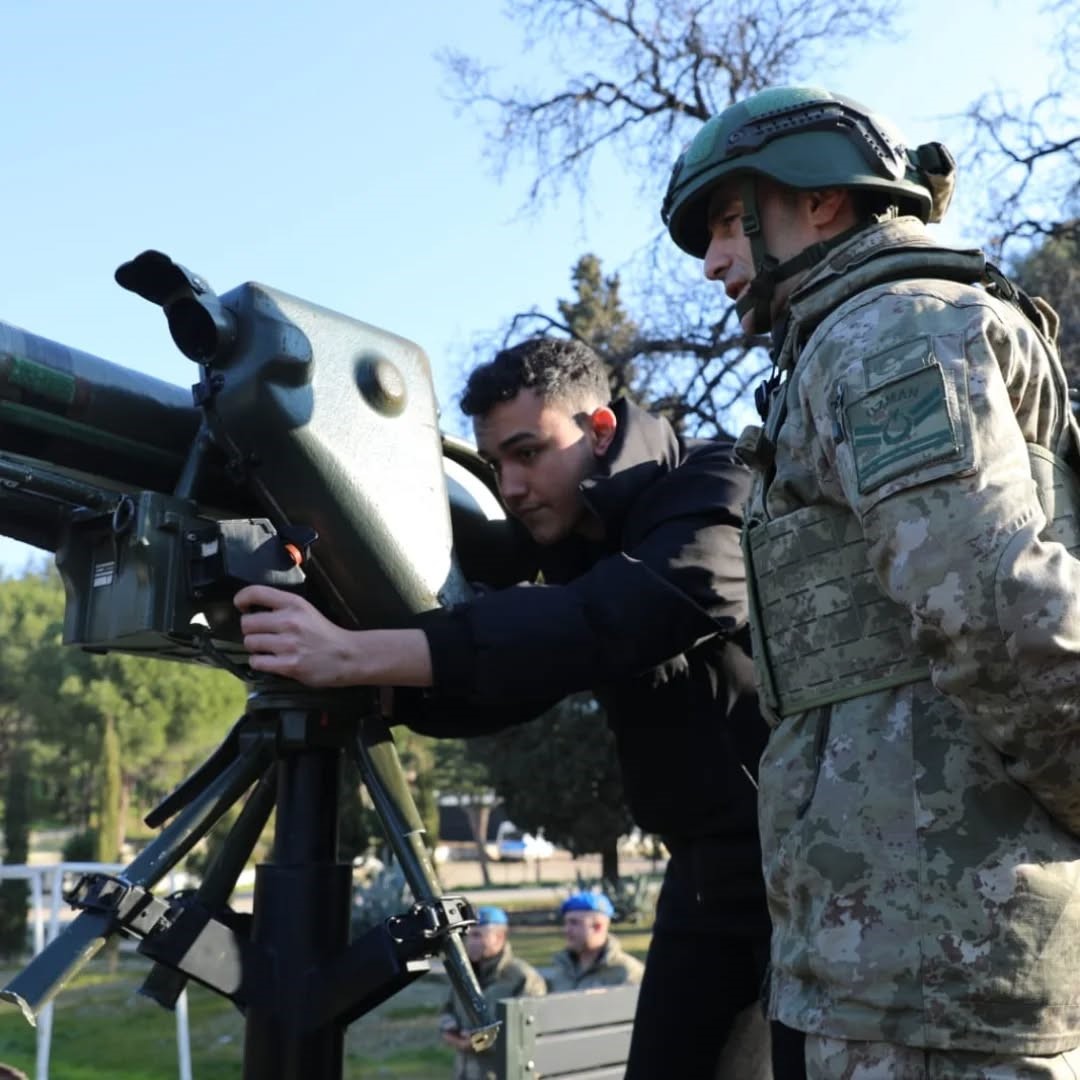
(769, 271)
(758, 297)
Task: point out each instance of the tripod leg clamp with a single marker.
(427, 922)
(132, 909)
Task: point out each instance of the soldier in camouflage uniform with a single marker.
(916, 608)
(501, 975)
(593, 957)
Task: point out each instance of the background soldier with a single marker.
(917, 623)
(593, 956)
(501, 975)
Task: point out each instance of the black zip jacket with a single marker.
(653, 621)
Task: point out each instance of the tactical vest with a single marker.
(823, 629)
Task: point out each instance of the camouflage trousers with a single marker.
(840, 1059)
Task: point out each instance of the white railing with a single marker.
(54, 873)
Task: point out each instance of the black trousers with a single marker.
(699, 1014)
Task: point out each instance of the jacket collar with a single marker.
(645, 447)
(493, 966)
(888, 251)
(569, 961)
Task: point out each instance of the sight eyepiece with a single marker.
(203, 329)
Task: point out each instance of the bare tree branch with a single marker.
(639, 76)
(1026, 161)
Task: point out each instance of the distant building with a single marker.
(454, 823)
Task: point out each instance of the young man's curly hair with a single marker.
(557, 369)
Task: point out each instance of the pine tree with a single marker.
(13, 893)
(560, 773)
(109, 831)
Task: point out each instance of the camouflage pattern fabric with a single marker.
(838, 1059)
(505, 978)
(613, 967)
(920, 842)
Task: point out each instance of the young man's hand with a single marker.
(288, 636)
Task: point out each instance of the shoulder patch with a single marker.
(901, 426)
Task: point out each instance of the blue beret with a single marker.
(491, 916)
(587, 901)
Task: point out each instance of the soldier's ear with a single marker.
(829, 207)
(602, 425)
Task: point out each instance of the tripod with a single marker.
(289, 966)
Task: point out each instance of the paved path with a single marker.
(558, 872)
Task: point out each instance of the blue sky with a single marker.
(310, 147)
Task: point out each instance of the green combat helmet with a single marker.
(805, 138)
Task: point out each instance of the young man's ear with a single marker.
(602, 425)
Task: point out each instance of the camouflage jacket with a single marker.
(504, 977)
(613, 967)
(921, 840)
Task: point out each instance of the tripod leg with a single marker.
(48, 972)
(301, 922)
(197, 781)
(381, 769)
(164, 984)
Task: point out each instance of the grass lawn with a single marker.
(103, 1029)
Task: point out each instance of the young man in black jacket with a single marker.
(643, 601)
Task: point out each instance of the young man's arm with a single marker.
(679, 582)
(288, 636)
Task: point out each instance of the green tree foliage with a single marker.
(560, 774)
(110, 829)
(1052, 270)
(166, 716)
(456, 771)
(31, 608)
(81, 846)
(687, 387)
(13, 893)
(597, 314)
(31, 614)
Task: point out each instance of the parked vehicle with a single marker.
(511, 844)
